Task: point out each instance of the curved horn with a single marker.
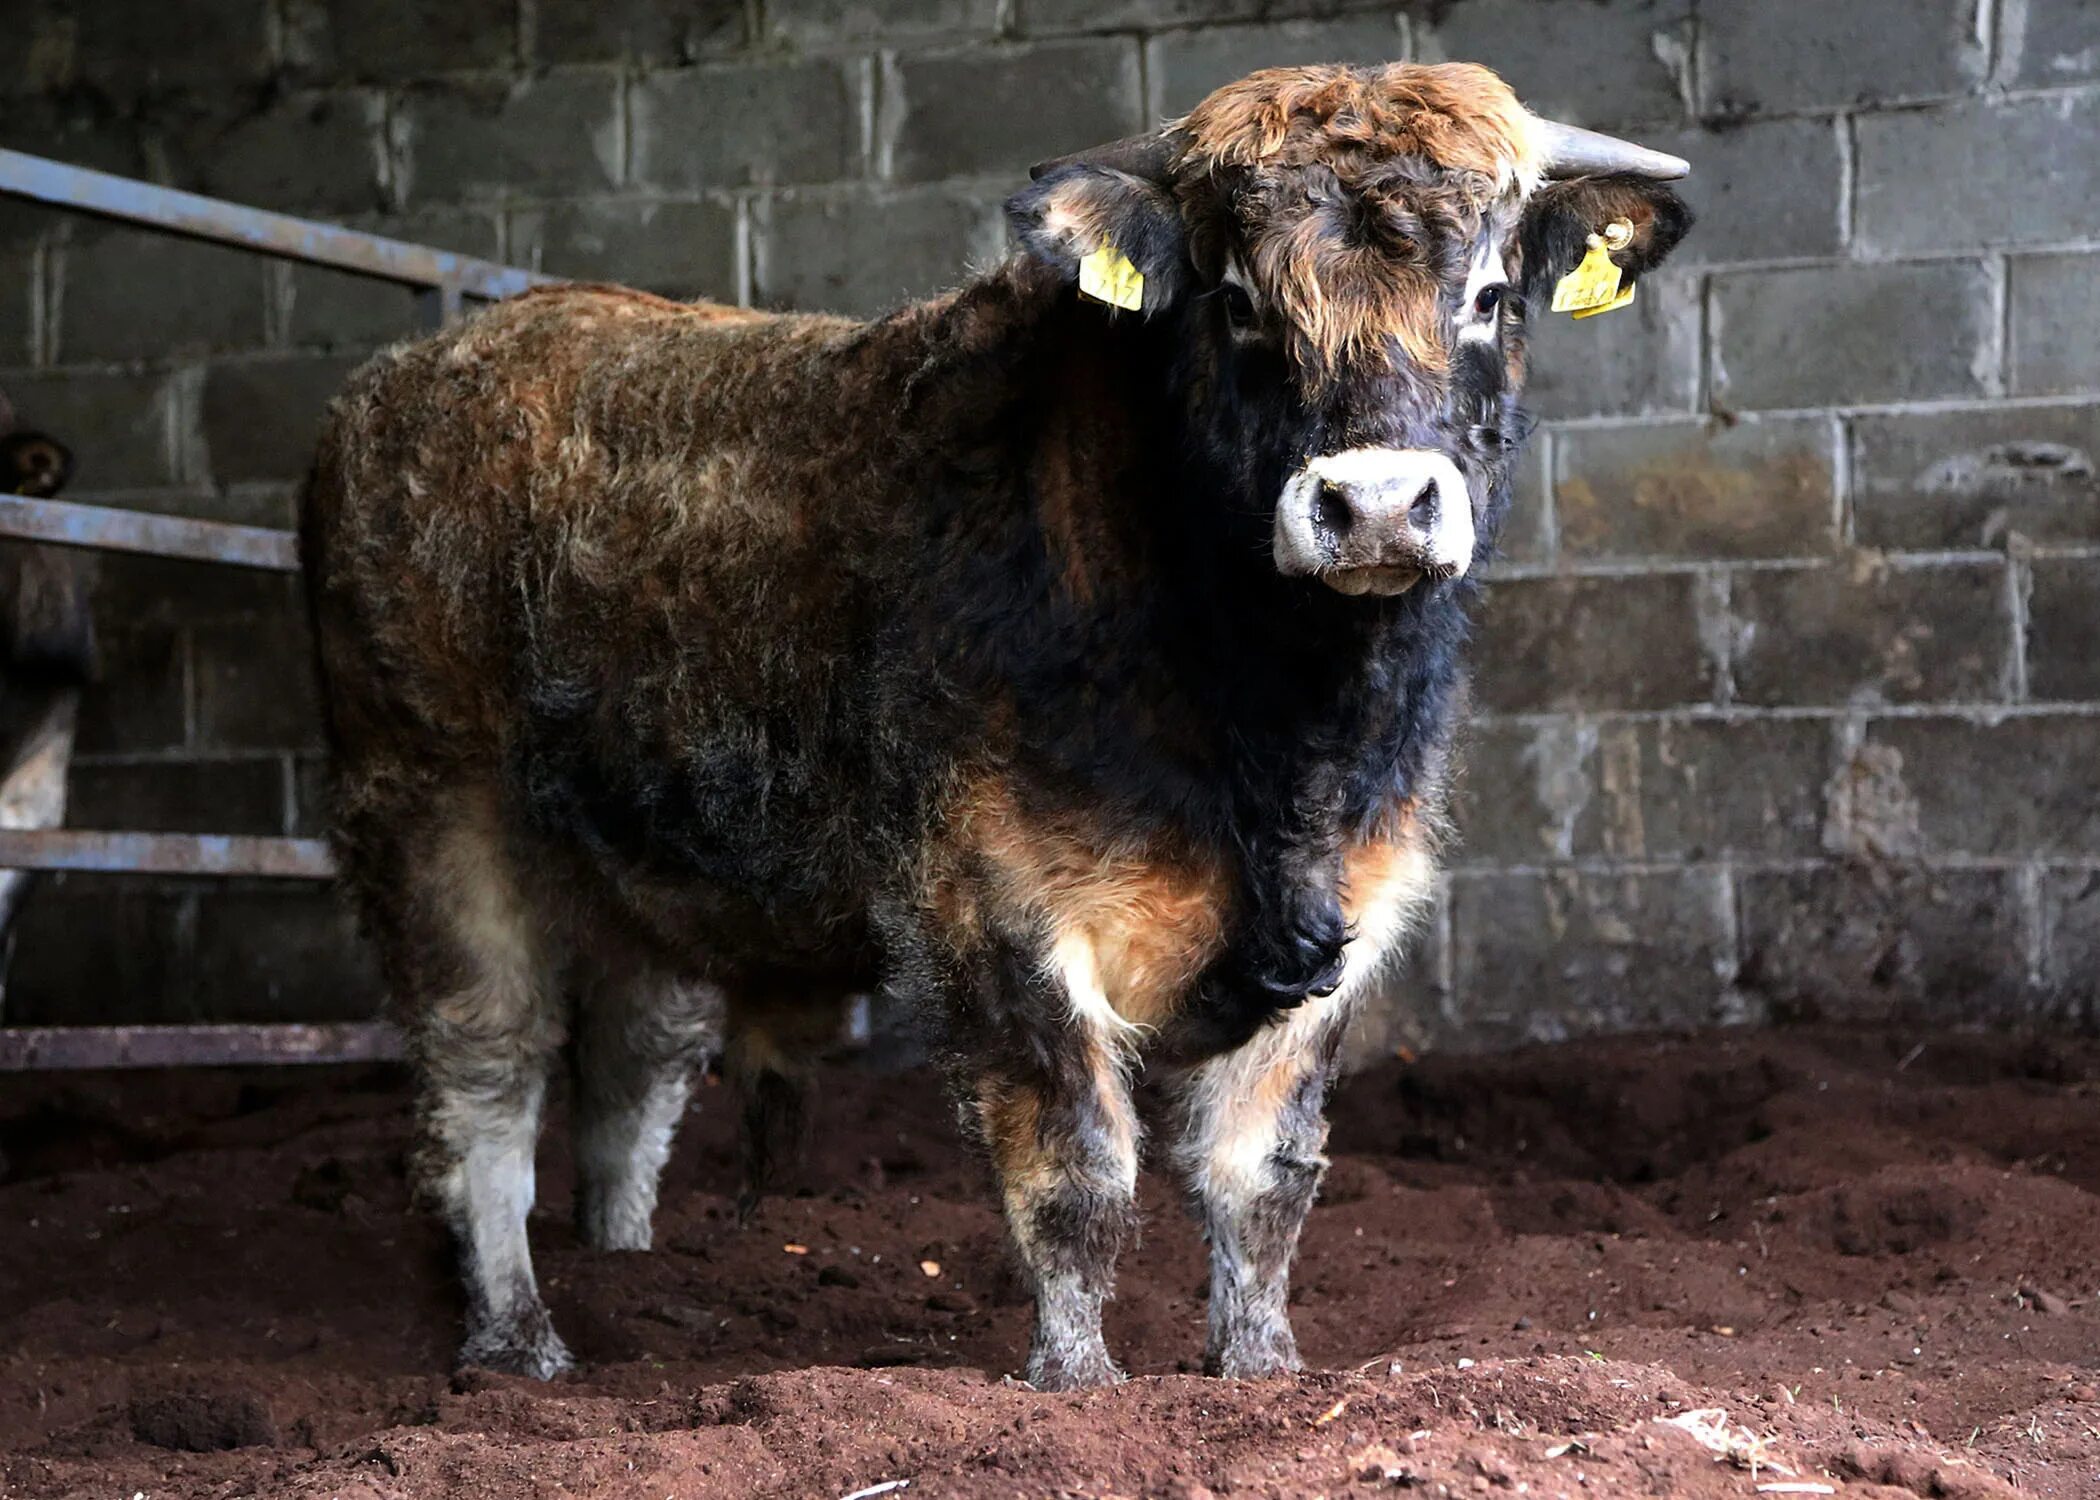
(1150, 156)
(1571, 151)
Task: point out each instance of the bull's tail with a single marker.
(772, 1050)
(774, 1130)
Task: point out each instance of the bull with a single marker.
(1074, 657)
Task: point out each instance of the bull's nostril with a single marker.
(1423, 511)
(1331, 512)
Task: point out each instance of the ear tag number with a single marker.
(1108, 276)
(1625, 296)
(1594, 285)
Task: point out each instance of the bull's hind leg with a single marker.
(474, 976)
(639, 1036)
(1055, 1108)
(1253, 1127)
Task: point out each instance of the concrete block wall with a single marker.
(1790, 681)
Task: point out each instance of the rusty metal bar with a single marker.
(111, 530)
(165, 853)
(26, 1049)
(65, 186)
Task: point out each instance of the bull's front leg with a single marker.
(1252, 1131)
(1054, 1104)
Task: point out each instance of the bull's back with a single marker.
(574, 552)
(537, 495)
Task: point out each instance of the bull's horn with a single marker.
(1571, 151)
(1150, 156)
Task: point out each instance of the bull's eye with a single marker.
(1489, 302)
(1239, 307)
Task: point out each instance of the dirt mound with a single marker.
(1642, 1267)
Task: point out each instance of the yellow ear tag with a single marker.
(1593, 286)
(1625, 296)
(1108, 276)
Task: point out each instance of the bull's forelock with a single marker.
(1459, 117)
(1352, 187)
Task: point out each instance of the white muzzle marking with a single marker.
(1374, 520)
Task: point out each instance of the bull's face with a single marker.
(1342, 260)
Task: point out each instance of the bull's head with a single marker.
(1344, 257)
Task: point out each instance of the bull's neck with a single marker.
(1120, 605)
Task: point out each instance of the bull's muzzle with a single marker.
(1375, 520)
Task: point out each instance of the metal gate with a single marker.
(442, 281)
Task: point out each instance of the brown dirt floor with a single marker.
(1870, 1259)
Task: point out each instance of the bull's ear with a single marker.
(1074, 208)
(1561, 216)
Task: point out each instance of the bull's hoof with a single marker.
(530, 1347)
(1082, 1371)
(1256, 1358)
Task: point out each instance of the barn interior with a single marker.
(1731, 1129)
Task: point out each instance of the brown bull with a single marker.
(1074, 655)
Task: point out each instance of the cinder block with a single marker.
(559, 133)
(1049, 17)
(2063, 630)
(1972, 173)
(283, 953)
(139, 700)
(308, 153)
(1704, 789)
(119, 426)
(1867, 632)
(1565, 953)
(1565, 644)
(999, 109)
(256, 687)
(1524, 537)
(864, 251)
(2055, 324)
(183, 796)
(1524, 793)
(1878, 942)
(2020, 786)
(310, 795)
(801, 24)
(2071, 943)
(392, 41)
(650, 31)
(259, 502)
(729, 125)
(1762, 190)
(130, 294)
(21, 266)
(1850, 334)
(2043, 43)
(338, 310)
(162, 592)
(1972, 478)
(101, 950)
(1640, 361)
(1617, 65)
(69, 127)
(1183, 66)
(679, 249)
(261, 418)
(1698, 490)
(1790, 55)
(124, 52)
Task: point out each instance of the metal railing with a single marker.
(442, 282)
